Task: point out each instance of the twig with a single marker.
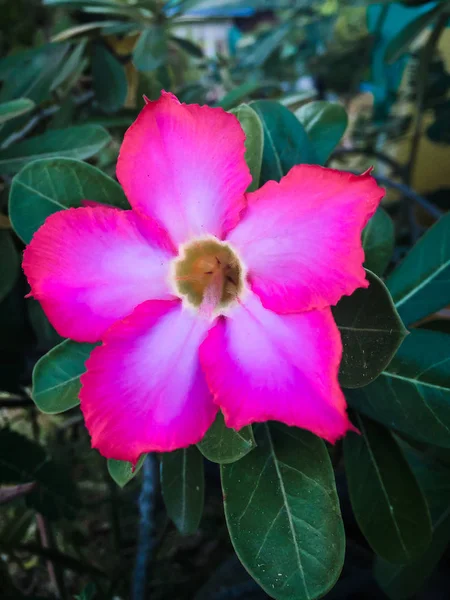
(428, 206)
(146, 539)
(66, 561)
(399, 170)
(55, 573)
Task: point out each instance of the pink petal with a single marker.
(144, 389)
(301, 238)
(89, 267)
(263, 366)
(184, 165)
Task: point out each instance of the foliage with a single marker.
(71, 83)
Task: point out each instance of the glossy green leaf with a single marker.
(223, 445)
(378, 242)
(371, 332)
(283, 514)
(150, 51)
(254, 141)
(56, 376)
(412, 395)
(286, 143)
(24, 461)
(387, 501)
(325, 123)
(189, 47)
(15, 108)
(244, 90)
(74, 142)
(46, 186)
(122, 471)
(420, 285)
(401, 43)
(182, 484)
(110, 81)
(9, 263)
(404, 581)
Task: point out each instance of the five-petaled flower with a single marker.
(204, 296)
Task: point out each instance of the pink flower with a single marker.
(204, 297)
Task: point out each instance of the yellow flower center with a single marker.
(208, 274)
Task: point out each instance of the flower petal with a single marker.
(144, 389)
(301, 238)
(263, 366)
(184, 165)
(89, 267)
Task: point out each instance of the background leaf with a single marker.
(378, 242)
(24, 461)
(371, 332)
(182, 483)
(223, 445)
(387, 501)
(413, 393)
(401, 43)
(285, 141)
(15, 108)
(420, 285)
(283, 513)
(150, 51)
(56, 376)
(254, 141)
(9, 263)
(325, 124)
(110, 81)
(122, 471)
(73, 142)
(46, 186)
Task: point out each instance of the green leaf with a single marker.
(223, 445)
(188, 46)
(412, 395)
(122, 471)
(378, 242)
(401, 42)
(150, 51)
(282, 512)
(266, 45)
(110, 81)
(254, 141)
(15, 108)
(285, 141)
(24, 461)
(371, 332)
(70, 70)
(387, 501)
(182, 483)
(325, 123)
(9, 263)
(400, 582)
(420, 285)
(240, 92)
(74, 142)
(56, 376)
(404, 581)
(46, 186)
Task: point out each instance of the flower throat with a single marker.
(208, 274)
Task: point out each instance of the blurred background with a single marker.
(66, 529)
